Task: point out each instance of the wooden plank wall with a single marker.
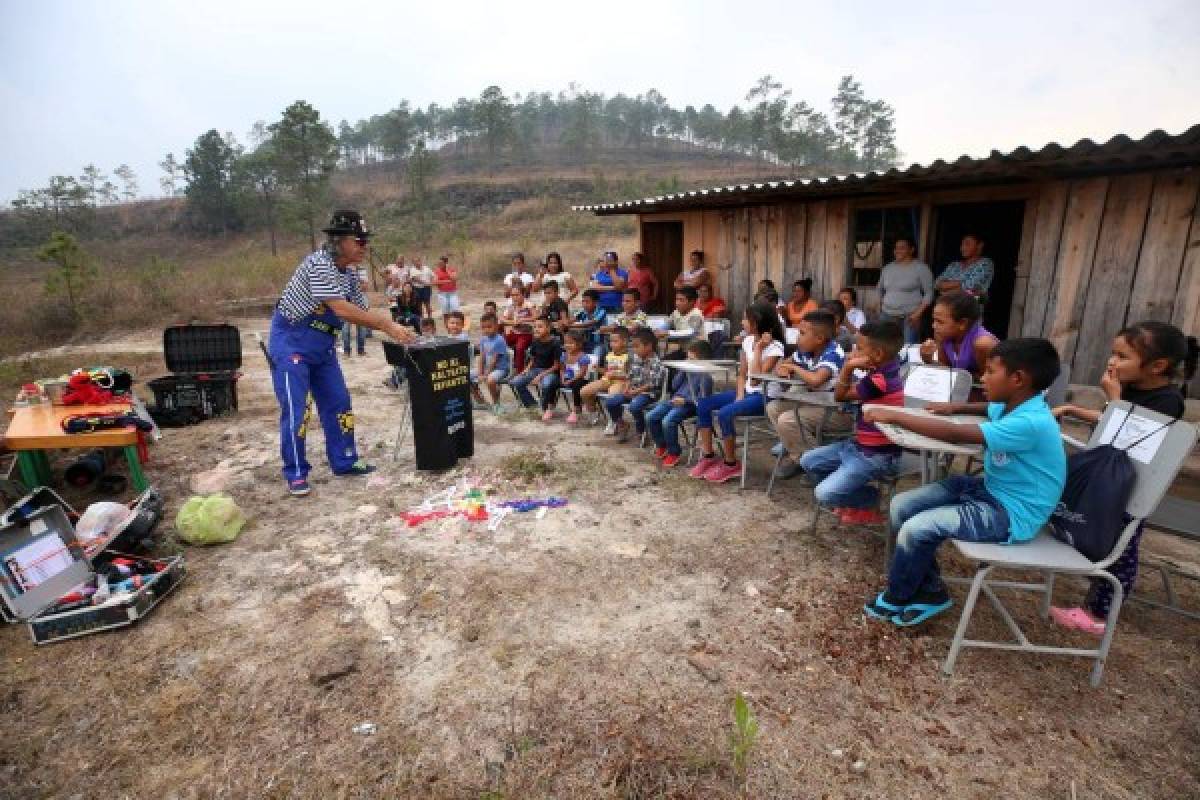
(1109, 251)
(784, 243)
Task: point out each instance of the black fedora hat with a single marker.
(347, 223)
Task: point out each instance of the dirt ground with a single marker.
(594, 652)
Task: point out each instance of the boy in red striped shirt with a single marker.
(842, 472)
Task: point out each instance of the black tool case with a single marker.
(32, 598)
(204, 361)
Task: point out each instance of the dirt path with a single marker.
(592, 653)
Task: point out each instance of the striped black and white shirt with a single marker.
(318, 279)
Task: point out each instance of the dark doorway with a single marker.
(999, 224)
(662, 249)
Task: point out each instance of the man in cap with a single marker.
(323, 294)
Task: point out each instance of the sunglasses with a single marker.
(361, 240)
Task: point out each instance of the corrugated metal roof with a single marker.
(1120, 153)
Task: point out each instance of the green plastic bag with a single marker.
(209, 520)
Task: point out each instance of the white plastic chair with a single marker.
(1050, 556)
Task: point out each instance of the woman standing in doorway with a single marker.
(906, 289)
(973, 273)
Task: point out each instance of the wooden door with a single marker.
(662, 250)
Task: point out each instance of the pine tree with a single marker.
(305, 155)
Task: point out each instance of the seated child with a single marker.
(541, 369)
(573, 371)
(555, 309)
(455, 322)
(631, 315)
(589, 320)
(1144, 365)
(762, 347)
(687, 389)
(613, 379)
(646, 374)
(855, 318)
(517, 321)
(842, 334)
(841, 473)
(428, 327)
(817, 361)
(1024, 469)
(959, 338)
(711, 307)
(685, 317)
(493, 358)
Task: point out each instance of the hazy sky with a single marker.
(111, 82)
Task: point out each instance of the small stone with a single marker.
(693, 623)
(859, 766)
(387, 639)
(750, 590)
(367, 510)
(365, 728)
(779, 610)
(837, 752)
(705, 666)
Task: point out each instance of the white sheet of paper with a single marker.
(1153, 433)
(38, 561)
(932, 385)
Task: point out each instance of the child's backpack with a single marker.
(1090, 515)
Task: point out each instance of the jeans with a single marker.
(637, 408)
(548, 384)
(448, 301)
(956, 508)
(844, 471)
(664, 420)
(362, 338)
(727, 407)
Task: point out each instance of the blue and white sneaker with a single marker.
(299, 487)
(778, 450)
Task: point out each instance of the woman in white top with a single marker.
(421, 277)
(696, 274)
(762, 348)
(553, 271)
(518, 275)
(906, 290)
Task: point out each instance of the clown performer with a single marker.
(322, 295)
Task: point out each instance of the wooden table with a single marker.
(35, 429)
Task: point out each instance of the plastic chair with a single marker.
(1049, 556)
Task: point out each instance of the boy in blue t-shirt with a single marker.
(1024, 469)
(589, 320)
(494, 362)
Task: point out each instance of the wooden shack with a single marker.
(1085, 238)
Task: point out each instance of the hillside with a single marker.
(150, 266)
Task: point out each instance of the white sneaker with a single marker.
(610, 429)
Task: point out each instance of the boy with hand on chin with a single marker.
(843, 471)
(1024, 472)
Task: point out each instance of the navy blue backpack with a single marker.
(1090, 515)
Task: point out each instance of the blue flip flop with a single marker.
(916, 613)
(881, 609)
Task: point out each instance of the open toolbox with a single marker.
(53, 583)
(204, 361)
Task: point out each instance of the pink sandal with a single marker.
(1076, 619)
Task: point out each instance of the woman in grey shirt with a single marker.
(906, 289)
